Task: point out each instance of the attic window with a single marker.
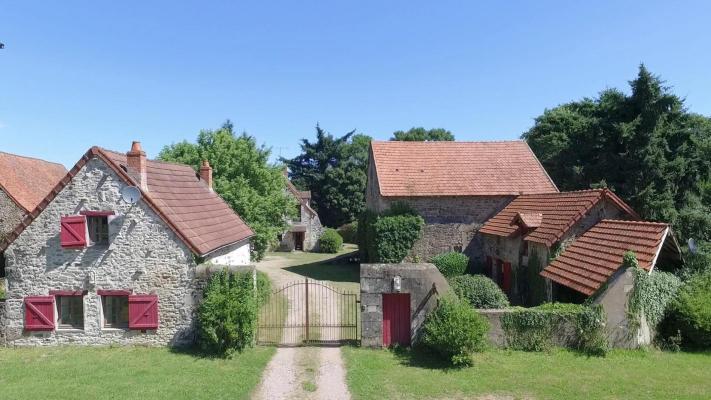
(98, 229)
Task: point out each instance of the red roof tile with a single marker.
(28, 180)
(198, 216)
(587, 263)
(407, 169)
(560, 212)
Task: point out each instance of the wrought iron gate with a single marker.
(309, 312)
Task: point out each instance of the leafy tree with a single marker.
(421, 134)
(334, 170)
(646, 146)
(243, 177)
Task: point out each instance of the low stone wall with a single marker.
(497, 336)
(423, 282)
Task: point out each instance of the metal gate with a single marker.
(309, 312)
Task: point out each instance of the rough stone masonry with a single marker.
(143, 256)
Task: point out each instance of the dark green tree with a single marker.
(645, 145)
(334, 170)
(421, 134)
(243, 177)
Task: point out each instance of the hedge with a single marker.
(479, 291)
(389, 237)
(454, 330)
(689, 314)
(227, 316)
(349, 232)
(451, 263)
(330, 241)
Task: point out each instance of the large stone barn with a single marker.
(455, 186)
(110, 254)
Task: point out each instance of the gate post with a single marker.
(307, 310)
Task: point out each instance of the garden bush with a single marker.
(690, 313)
(387, 238)
(479, 291)
(227, 316)
(534, 329)
(451, 264)
(455, 331)
(651, 296)
(349, 232)
(330, 241)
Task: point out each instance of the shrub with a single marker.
(479, 291)
(451, 264)
(455, 330)
(264, 287)
(534, 329)
(387, 238)
(690, 312)
(349, 232)
(330, 241)
(651, 295)
(227, 317)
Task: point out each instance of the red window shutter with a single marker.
(507, 277)
(39, 313)
(143, 312)
(73, 234)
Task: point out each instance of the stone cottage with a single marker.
(592, 267)
(24, 182)
(455, 186)
(303, 232)
(529, 229)
(110, 254)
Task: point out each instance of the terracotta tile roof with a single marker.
(28, 180)
(560, 212)
(203, 218)
(588, 262)
(302, 197)
(198, 216)
(407, 169)
(530, 220)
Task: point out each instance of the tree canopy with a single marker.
(243, 177)
(334, 170)
(421, 134)
(646, 146)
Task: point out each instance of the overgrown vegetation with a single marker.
(451, 264)
(689, 314)
(455, 331)
(388, 237)
(651, 295)
(244, 178)
(575, 326)
(479, 291)
(330, 241)
(227, 316)
(535, 284)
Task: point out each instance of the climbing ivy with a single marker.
(580, 327)
(650, 296)
(536, 293)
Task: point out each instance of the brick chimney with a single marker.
(136, 158)
(206, 173)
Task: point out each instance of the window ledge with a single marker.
(114, 329)
(70, 330)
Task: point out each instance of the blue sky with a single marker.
(76, 74)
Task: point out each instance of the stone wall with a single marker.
(10, 214)
(143, 255)
(451, 223)
(312, 233)
(497, 336)
(416, 279)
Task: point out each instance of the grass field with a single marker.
(341, 275)
(127, 373)
(376, 374)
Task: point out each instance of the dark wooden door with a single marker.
(299, 241)
(396, 319)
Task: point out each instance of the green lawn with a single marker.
(375, 374)
(342, 275)
(127, 373)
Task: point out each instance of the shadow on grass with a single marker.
(196, 352)
(421, 357)
(328, 271)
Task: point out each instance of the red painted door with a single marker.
(396, 319)
(507, 277)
